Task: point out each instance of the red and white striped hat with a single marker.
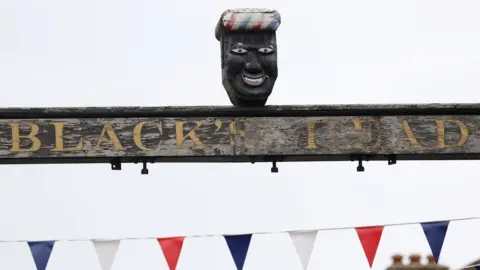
(248, 20)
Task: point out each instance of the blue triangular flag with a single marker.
(41, 251)
(435, 233)
(238, 245)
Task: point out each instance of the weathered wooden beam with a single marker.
(229, 111)
(229, 134)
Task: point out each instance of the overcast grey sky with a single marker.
(158, 53)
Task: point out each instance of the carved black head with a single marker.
(249, 54)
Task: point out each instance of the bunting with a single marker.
(303, 243)
(435, 233)
(106, 251)
(370, 238)
(171, 247)
(41, 251)
(238, 245)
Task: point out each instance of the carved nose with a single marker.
(251, 63)
(253, 67)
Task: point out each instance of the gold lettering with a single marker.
(137, 134)
(409, 133)
(59, 126)
(357, 123)
(218, 124)
(311, 134)
(441, 133)
(235, 132)
(16, 137)
(191, 134)
(112, 137)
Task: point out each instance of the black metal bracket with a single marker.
(360, 160)
(392, 159)
(144, 169)
(360, 167)
(144, 163)
(274, 168)
(116, 164)
(274, 160)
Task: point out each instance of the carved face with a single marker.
(249, 67)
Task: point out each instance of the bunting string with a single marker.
(238, 244)
(476, 266)
(256, 233)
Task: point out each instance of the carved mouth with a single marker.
(253, 79)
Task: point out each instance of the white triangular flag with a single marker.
(303, 243)
(106, 251)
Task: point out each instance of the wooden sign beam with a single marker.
(229, 134)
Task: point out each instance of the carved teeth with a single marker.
(253, 81)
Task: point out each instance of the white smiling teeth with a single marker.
(253, 81)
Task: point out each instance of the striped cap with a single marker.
(248, 19)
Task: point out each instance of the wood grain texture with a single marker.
(225, 139)
(230, 111)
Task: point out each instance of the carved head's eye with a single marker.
(239, 50)
(265, 50)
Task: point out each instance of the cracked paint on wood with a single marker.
(229, 111)
(227, 137)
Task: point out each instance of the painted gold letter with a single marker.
(357, 123)
(59, 139)
(441, 133)
(16, 137)
(137, 134)
(235, 132)
(112, 138)
(192, 135)
(410, 136)
(311, 134)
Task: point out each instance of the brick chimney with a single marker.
(415, 263)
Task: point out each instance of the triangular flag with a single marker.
(41, 251)
(435, 233)
(370, 238)
(106, 251)
(171, 248)
(238, 245)
(303, 243)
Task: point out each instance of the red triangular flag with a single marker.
(171, 248)
(370, 238)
